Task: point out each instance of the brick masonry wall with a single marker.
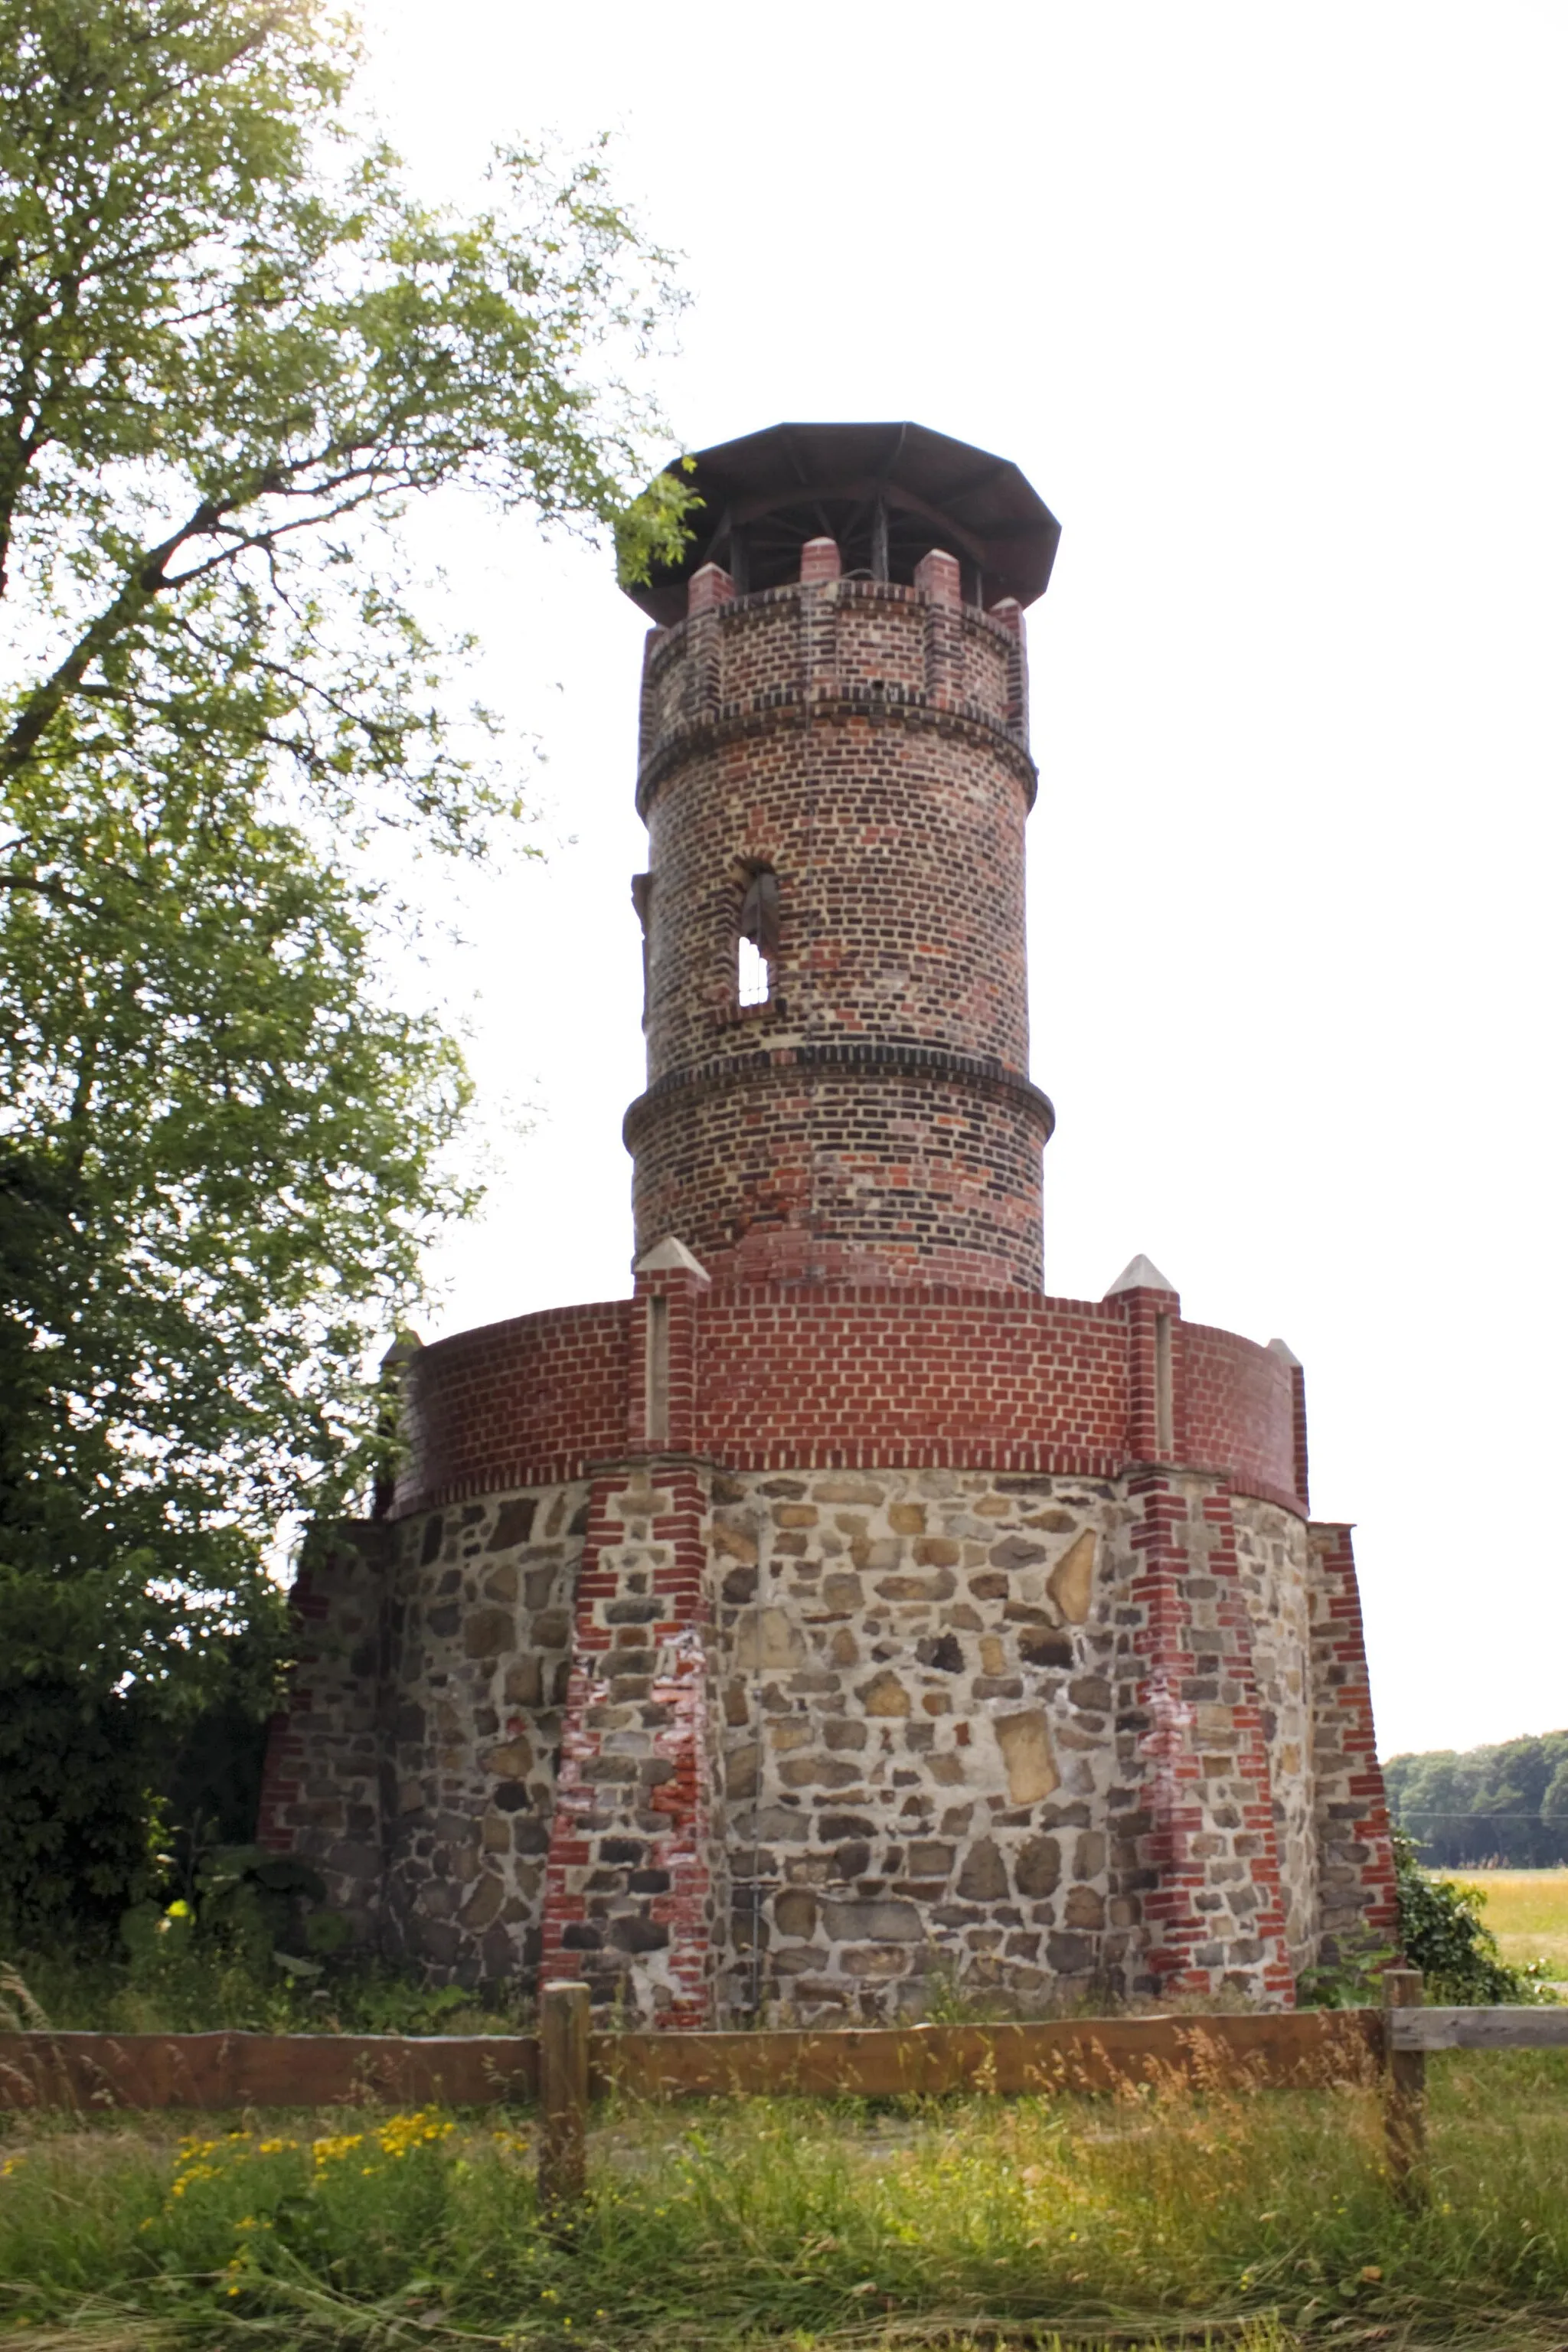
(851, 1375)
(1355, 1865)
(1237, 1406)
(864, 742)
(918, 1378)
(532, 1401)
(906, 1167)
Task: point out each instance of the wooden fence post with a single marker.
(1405, 2088)
(564, 2020)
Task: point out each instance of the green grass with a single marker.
(203, 1989)
(1527, 1911)
(1265, 2218)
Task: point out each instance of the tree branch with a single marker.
(54, 890)
(143, 583)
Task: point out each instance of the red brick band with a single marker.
(876, 1376)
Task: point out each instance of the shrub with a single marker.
(1444, 1935)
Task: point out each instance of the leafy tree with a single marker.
(1507, 1804)
(234, 348)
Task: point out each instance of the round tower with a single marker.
(836, 1613)
(834, 774)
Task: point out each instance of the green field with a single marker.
(1266, 2220)
(1527, 1911)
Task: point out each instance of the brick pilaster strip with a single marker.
(629, 1893)
(1197, 1727)
(1142, 1309)
(1009, 615)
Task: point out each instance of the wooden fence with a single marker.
(566, 2065)
(215, 2071)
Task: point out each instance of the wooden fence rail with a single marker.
(1479, 2028)
(215, 2071)
(566, 2065)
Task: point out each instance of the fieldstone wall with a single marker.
(1272, 1564)
(916, 1748)
(480, 1630)
(323, 1785)
(817, 1744)
(415, 1767)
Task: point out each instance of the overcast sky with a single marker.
(1267, 302)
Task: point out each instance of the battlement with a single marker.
(825, 646)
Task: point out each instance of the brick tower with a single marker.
(838, 1606)
(834, 775)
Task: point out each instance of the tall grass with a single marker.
(1527, 1911)
(723, 2224)
(191, 1986)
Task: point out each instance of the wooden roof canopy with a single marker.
(886, 493)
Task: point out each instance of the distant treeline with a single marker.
(1506, 1805)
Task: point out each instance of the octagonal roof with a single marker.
(886, 493)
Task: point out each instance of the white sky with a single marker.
(1268, 302)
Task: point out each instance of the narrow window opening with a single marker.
(759, 936)
(657, 1413)
(754, 975)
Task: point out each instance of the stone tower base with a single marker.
(811, 1740)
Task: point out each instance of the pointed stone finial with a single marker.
(670, 1256)
(407, 1346)
(1286, 1355)
(1141, 1274)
